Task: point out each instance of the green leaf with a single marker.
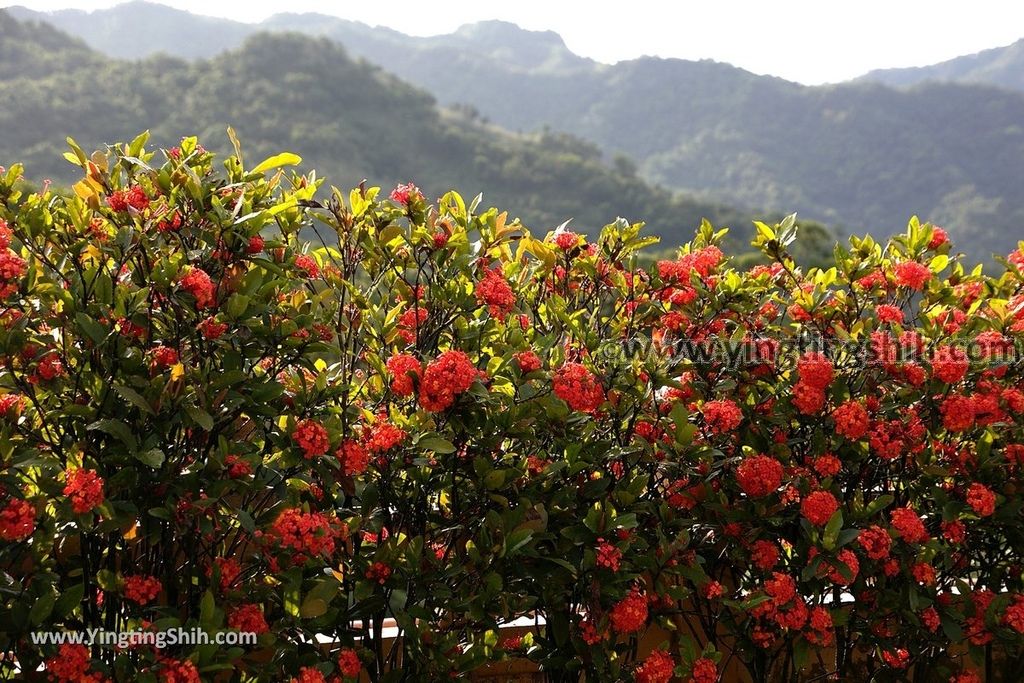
(832, 529)
(200, 417)
(154, 457)
(117, 429)
(134, 397)
(69, 599)
(436, 444)
(276, 161)
(42, 608)
(92, 329)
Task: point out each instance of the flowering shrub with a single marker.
(235, 401)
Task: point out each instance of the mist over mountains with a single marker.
(944, 142)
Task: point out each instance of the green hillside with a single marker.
(858, 155)
(346, 118)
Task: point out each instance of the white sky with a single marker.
(811, 41)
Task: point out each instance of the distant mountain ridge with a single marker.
(1000, 66)
(863, 155)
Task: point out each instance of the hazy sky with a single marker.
(803, 40)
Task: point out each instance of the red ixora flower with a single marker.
(308, 265)
(722, 416)
(629, 614)
(851, 420)
(764, 554)
(406, 193)
(876, 542)
(657, 668)
(308, 674)
(981, 499)
(815, 369)
(135, 197)
(197, 282)
(248, 618)
(908, 525)
(142, 589)
(312, 438)
(494, 292)
(447, 376)
(528, 361)
(912, 274)
(84, 488)
(759, 475)
(577, 386)
(403, 368)
(348, 663)
(950, 364)
(607, 555)
(818, 507)
(71, 665)
(383, 436)
(704, 671)
(353, 458)
(306, 533)
(889, 314)
(178, 671)
(17, 520)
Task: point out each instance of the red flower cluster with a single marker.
(312, 438)
(17, 520)
(348, 663)
(950, 364)
(851, 420)
(908, 525)
(406, 193)
(764, 554)
(981, 500)
(657, 668)
(134, 197)
(84, 488)
(248, 618)
(607, 555)
(352, 458)
(818, 507)
(179, 671)
(444, 379)
(722, 416)
(577, 386)
(383, 436)
(759, 475)
(309, 534)
(528, 362)
(71, 665)
(142, 589)
(912, 274)
(629, 614)
(308, 265)
(163, 357)
(566, 240)
(197, 282)
(876, 542)
(403, 368)
(494, 292)
(816, 373)
(704, 671)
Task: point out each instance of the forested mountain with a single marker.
(347, 119)
(1000, 66)
(859, 155)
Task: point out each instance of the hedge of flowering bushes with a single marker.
(232, 399)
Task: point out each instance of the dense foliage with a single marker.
(432, 416)
(857, 155)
